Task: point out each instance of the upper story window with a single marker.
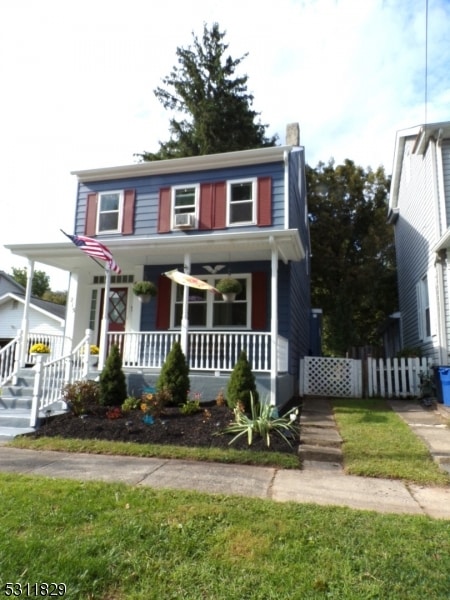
(110, 207)
(241, 205)
(184, 202)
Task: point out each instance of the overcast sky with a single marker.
(77, 82)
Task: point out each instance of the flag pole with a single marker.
(105, 322)
(185, 314)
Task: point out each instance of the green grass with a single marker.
(117, 542)
(377, 443)
(229, 455)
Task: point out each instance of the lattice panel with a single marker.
(335, 377)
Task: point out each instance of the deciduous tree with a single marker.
(40, 283)
(353, 273)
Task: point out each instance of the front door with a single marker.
(117, 309)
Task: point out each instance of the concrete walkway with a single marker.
(320, 481)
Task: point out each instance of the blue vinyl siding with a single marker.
(293, 277)
(147, 194)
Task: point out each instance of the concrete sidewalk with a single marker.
(315, 483)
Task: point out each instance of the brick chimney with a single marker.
(292, 134)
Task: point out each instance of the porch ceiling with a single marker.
(170, 249)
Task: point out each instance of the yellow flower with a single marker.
(40, 349)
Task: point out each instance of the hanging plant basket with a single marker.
(145, 290)
(229, 288)
(229, 297)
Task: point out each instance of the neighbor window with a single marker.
(241, 202)
(110, 205)
(423, 303)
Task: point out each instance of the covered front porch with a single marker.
(144, 346)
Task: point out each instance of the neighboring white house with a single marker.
(420, 212)
(45, 318)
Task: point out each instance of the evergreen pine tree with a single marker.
(113, 386)
(242, 384)
(205, 87)
(174, 375)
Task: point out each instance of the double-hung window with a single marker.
(208, 310)
(241, 205)
(184, 202)
(110, 208)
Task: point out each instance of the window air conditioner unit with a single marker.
(184, 220)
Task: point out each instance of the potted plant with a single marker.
(229, 288)
(40, 348)
(144, 290)
(40, 351)
(93, 354)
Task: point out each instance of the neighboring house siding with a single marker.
(446, 176)
(415, 233)
(11, 314)
(147, 193)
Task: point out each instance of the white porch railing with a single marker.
(51, 376)
(54, 341)
(207, 351)
(9, 359)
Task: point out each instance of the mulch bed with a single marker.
(200, 429)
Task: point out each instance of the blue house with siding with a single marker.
(239, 214)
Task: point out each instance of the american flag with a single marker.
(95, 249)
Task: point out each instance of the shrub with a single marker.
(242, 385)
(263, 421)
(190, 407)
(174, 376)
(131, 403)
(82, 397)
(113, 387)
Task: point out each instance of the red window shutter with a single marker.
(259, 301)
(128, 212)
(163, 307)
(90, 226)
(264, 201)
(219, 215)
(206, 205)
(164, 210)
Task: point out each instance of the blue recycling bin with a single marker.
(442, 376)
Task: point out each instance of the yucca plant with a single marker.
(263, 421)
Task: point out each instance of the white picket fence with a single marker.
(350, 378)
(395, 377)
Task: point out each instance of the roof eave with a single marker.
(184, 165)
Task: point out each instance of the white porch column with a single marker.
(274, 325)
(185, 315)
(26, 311)
(105, 322)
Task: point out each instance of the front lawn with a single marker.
(117, 542)
(377, 443)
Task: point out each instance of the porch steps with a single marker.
(15, 406)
